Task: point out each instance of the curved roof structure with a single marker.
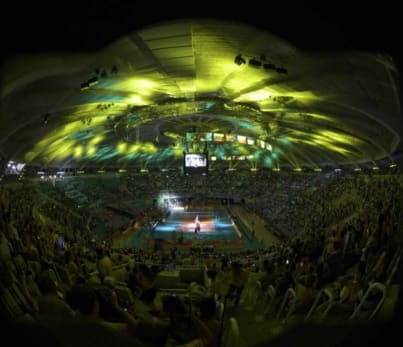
(235, 91)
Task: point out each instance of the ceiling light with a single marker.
(255, 63)
(281, 70)
(239, 60)
(269, 66)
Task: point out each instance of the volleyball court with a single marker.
(188, 221)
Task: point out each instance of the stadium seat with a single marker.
(374, 288)
(251, 294)
(231, 334)
(192, 274)
(287, 305)
(168, 279)
(323, 303)
(270, 297)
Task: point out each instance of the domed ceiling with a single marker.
(242, 94)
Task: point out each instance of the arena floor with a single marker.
(214, 225)
(217, 230)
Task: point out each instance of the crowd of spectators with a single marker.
(55, 269)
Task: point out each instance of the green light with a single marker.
(268, 162)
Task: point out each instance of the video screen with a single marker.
(195, 163)
(195, 160)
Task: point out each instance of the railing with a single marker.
(289, 298)
(329, 304)
(374, 287)
(241, 225)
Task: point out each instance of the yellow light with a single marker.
(95, 140)
(257, 95)
(210, 76)
(91, 150)
(136, 99)
(134, 148)
(177, 151)
(122, 147)
(78, 151)
(149, 147)
(142, 83)
(244, 79)
(333, 136)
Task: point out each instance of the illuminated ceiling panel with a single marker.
(134, 101)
